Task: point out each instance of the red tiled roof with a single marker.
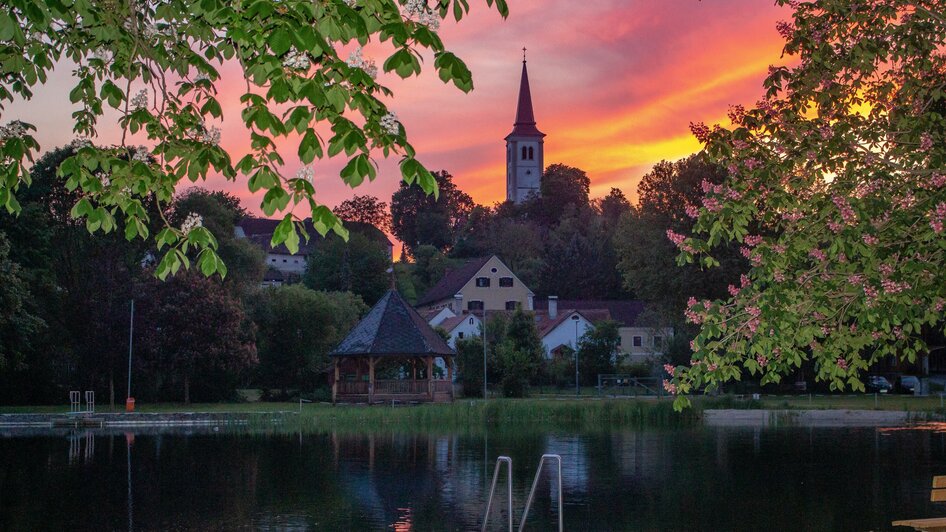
(450, 324)
(624, 312)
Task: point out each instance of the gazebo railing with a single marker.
(353, 387)
(394, 386)
(443, 386)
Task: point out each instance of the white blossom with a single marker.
(106, 181)
(306, 172)
(211, 135)
(351, 3)
(201, 77)
(390, 124)
(357, 60)
(418, 10)
(140, 100)
(102, 54)
(430, 18)
(296, 60)
(193, 221)
(141, 154)
(14, 129)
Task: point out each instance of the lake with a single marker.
(700, 478)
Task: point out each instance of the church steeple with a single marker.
(524, 156)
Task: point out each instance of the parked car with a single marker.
(907, 384)
(878, 384)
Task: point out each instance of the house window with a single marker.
(524, 152)
(474, 305)
(531, 154)
(460, 335)
(658, 341)
(512, 305)
(482, 282)
(284, 260)
(505, 282)
(638, 341)
(471, 321)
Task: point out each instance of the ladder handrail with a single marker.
(492, 490)
(535, 482)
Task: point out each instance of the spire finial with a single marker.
(523, 54)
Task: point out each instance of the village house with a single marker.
(284, 267)
(485, 286)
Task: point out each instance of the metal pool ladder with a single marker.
(535, 482)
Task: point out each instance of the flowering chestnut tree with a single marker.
(844, 162)
(155, 63)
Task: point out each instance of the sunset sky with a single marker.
(615, 84)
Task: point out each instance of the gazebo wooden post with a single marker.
(449, 361)
(430, 378)
(335, 383)
(371, 361)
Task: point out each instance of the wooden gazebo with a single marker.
(391, 356)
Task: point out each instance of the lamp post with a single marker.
(577, 388)
(484, 353)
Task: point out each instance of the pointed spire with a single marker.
(525, 118)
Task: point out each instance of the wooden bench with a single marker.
(935, 524)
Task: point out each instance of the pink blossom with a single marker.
(706, 186)
(733, 290)
(779, 276)
(700, 131)
(778, 248)
(939, 305)
(938, 180)
(926, 142)
(744, 280)
(871, 240)
(817, 254)
(675, 237)
(669, 369)
(752, 163)
(785, 29)
(692, 211)
(847, 213)
(693, 346)
(753, 240)
(712, 367)
(712, 204)
(842, 363)
(670, 387)
(876, 335)
(737, 113)
(762, 360)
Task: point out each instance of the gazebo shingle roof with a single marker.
(392, 327)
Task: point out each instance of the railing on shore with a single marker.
(394, 387)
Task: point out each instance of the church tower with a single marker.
(525, 160)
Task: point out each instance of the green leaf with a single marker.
(280, 41)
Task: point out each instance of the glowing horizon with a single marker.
(614, 84)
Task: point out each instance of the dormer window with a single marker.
(482, 282)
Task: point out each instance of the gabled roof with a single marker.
(260, 231)
(452, 282)
(624, 312)
(545, 325)
(450, 324)
(392, 327)
(525, 118)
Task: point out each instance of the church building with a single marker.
(525, 160)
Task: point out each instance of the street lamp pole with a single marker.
(484, 352)
(577, 388)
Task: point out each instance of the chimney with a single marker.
(553, 306)
(458, 304)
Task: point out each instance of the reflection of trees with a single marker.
(721, 478)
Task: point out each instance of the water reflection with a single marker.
(715, 478)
